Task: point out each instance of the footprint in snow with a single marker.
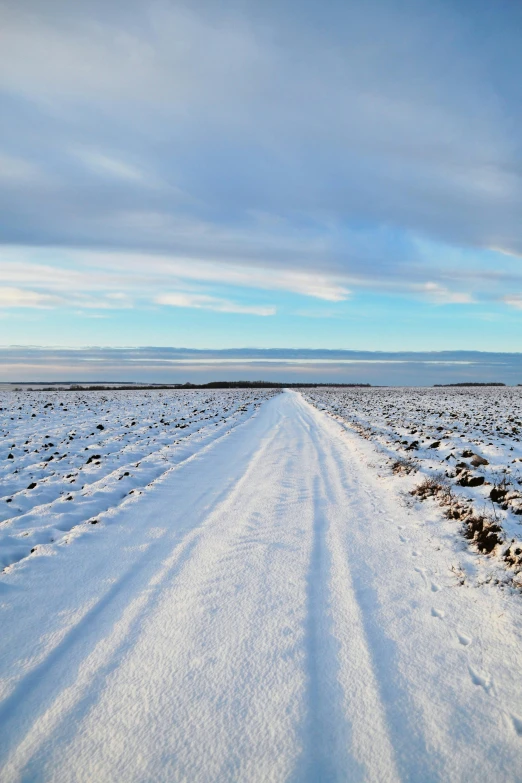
(517, 725)
(435, 588)
(403, 539)
(483, 679)
(415, 553)
(437, 613)
(464, 640)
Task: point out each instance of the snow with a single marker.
(436, 428)
(92, 451)
(274, 606)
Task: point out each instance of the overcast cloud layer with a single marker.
(179, 365)
(214, 156)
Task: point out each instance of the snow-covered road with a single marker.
(269, 610)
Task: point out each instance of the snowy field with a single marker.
(67, 458)
(250, 586)
(464, 448)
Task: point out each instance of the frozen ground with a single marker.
(273, 606)
(66, 458)
(463, 446)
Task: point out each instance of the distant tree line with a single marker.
(469, 383)
(211, 385)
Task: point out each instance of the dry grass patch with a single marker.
(404, 466)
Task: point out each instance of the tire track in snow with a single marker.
(349, 732)
(397, 733)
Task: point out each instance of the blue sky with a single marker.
(336, 175)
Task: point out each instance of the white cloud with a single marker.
(439, 294)
(56, 292)
(505, 252)
(513, 300)
(109, 166)
(142, 273)
(202, 302)
(19, 297)
(319, 286)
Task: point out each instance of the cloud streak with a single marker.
(514, 300)
(201, 302)
(19, 297)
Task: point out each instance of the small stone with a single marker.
(477, 461)
(467, 480)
